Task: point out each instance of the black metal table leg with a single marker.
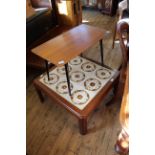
(68, 80)
(101, 48)
(46, 63)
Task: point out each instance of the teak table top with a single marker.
(61, 49)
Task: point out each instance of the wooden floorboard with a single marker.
(51, 130)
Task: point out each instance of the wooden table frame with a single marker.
(82, 115)
(56, 51)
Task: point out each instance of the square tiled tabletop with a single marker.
(87, 79)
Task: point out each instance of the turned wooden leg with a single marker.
(40, 94)
(122, 144)
(83, 125)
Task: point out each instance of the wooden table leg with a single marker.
(81, 55)
(118, 90)
(115, 93)
(83, 125)
(39, 94)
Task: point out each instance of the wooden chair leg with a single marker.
(83, 126)
(122, 144)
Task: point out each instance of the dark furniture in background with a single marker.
(39, 24)
(47, 24)
(109, 7)
(122, 13)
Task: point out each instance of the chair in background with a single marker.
(41, 3)
(122, 144)
(123, 35)
(122, 12)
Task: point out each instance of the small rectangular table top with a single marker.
(61, 49)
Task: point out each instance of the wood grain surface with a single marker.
(70, 44)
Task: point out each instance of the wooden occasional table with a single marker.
(62, 50)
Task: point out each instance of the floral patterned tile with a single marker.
(86, 78)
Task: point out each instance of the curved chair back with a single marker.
(123, 34)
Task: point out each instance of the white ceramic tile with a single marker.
(83, 73)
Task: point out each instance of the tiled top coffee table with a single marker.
(80, 85)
